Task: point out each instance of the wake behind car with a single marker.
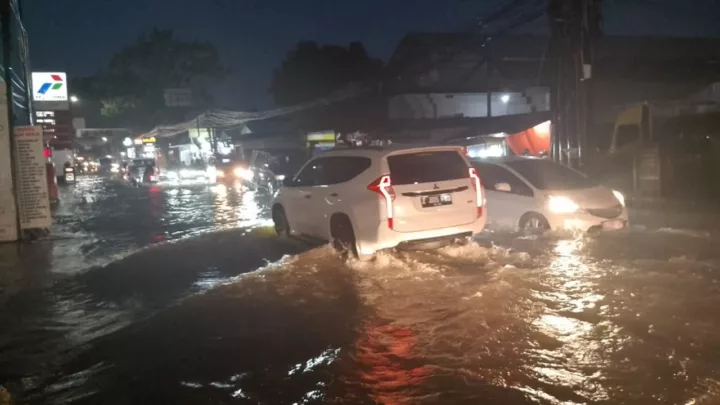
(535, 195)
(366, 200)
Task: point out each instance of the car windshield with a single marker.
(548, 175)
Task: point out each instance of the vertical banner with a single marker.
(32, 192)
(8, 221)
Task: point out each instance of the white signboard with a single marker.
(32, 190)
(8, 221)
(50, 91)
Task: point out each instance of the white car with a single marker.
(535, 195)
(368, 199)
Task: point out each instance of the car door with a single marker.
(297, 200)
(311, 189)
(335, 193)
(505, 204)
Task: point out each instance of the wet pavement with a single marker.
(184, 296)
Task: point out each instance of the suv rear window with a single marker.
(427, 167)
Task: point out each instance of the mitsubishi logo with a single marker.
(435, 187)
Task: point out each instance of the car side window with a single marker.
(492, 175)
(342, 169)
(331, 170)
(313, 174)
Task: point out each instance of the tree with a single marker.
(310, 72)
(130, 91)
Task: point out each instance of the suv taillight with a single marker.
(383, 186)
(477, 186)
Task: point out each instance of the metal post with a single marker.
(6, 20)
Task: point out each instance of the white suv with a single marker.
(365, 200)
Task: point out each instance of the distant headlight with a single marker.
(562, 205)
(280, 177)
(243, 173)
(620, 197)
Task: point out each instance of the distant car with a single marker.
(228, 171)
(142, 171)
(535, 195)
(366, 200)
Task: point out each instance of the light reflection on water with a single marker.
(239, 207)
(617, 319)
(569, 319)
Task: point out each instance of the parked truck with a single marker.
(664, 149)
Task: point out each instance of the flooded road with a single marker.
(223, 312)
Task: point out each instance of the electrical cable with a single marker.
(229, 119)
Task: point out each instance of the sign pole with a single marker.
(7, 77)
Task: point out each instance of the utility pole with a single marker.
(575, 25)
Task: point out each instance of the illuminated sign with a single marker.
(45, 114)
(321, 137)
(49, 86)
(149, 140)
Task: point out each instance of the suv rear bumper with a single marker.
(383, 237)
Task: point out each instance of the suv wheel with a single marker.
(343, 237)
(282, 227)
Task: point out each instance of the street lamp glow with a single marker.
(104, 139)
(74, 99)
(505, 98)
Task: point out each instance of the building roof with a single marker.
(464, 54)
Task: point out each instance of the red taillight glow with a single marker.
(383, 186)
(477, 185)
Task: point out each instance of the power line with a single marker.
(229, 119)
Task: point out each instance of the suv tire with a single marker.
(343, 236)
(282, 227)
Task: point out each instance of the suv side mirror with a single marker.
(287, 182)
(503, 187)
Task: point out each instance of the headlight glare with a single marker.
(562, 205)
(620, 197)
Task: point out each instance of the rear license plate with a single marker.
(613, 225)
(435, 200)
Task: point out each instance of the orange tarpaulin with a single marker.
(534, 141)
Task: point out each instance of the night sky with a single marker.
(252, 36)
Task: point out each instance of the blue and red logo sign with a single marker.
(55, 84)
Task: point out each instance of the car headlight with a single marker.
(243, 173)
(239, 171)
(280, 177)
(562, 205)
(620, 197)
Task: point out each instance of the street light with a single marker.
(505, 98)
(104, 139)
(74, 99)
